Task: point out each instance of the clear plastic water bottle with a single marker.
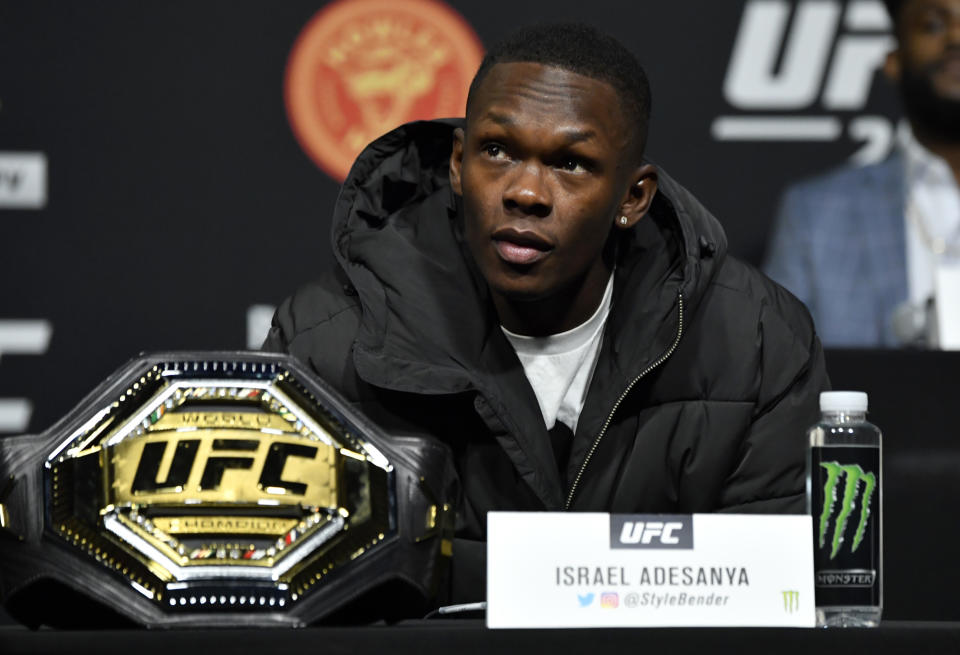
(844, 498)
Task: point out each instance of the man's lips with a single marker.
(520, 247)
(948, 62)
(950, 67)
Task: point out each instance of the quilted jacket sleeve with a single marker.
(277, 340)
(770, 474)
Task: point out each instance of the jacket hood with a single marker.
(396, 234)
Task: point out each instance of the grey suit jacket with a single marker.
(838, 244)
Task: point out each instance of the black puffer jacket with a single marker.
(708, 375)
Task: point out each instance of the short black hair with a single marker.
(580, 49)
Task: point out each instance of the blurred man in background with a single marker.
(872, 251)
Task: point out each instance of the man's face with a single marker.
(543, 170)
(930, 44)
(926, 66)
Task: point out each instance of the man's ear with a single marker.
(456, 161)
(639, 197)
(893, 66)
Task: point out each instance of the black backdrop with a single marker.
(178, 198)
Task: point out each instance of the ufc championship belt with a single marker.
(219, 489)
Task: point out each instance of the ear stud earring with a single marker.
(623, 220)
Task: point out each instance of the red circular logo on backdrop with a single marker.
(362, 67)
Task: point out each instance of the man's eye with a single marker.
(573, 165)
(932, 23)
(494, 151)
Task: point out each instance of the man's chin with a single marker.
(948, 91)
(519, 293)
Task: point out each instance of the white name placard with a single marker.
(579, 570)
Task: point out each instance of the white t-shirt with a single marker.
(560, 366)
(933, 199)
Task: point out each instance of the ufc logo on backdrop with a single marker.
(21, 337)
(818, 57)
(651, 531)
(23, 180)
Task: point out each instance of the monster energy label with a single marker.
(846, 521)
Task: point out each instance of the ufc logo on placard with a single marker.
(651, 531)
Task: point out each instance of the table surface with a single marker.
(470, 636)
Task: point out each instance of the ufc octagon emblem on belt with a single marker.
(363, 67)
(203, 474)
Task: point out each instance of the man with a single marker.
(524, 287)
(863, 247)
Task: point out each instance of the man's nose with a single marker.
(528, 191)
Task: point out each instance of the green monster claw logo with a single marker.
(854, 475)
